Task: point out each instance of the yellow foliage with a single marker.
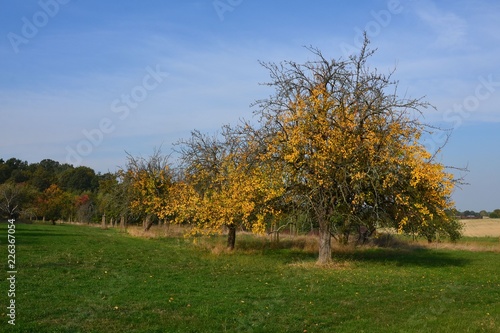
(151, 192)
(355, 158)
(234, 193)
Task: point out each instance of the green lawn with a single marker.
(82, 279)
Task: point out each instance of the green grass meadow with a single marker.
(84, 279)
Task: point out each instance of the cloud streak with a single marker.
(448, 28)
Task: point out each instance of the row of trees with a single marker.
(334, 145)
(495, 214)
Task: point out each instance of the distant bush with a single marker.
(495, 214)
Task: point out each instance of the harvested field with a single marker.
(481, 228)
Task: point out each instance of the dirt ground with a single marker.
(481, 228)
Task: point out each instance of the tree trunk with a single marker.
(275, 238)
(231, 237)
(123, 222)
(344, 237)
(149, 223)
(166, 224)
(325, 243)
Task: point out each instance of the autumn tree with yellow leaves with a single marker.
(149, 185)
(225, 186)
(347, 146)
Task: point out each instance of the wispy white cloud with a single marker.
(449, 28)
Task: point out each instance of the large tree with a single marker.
(79, 179)
(347, 146)
(46, 173)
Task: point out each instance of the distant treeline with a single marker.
(54, 191)
(470, 214)
(49, 190)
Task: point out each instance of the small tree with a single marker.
(54, 204)
(15, 198)
(84, 207)
(113, 196)
(495, 214)
(231, 186)
(149, 184)
(483, 213)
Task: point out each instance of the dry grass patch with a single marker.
(473, 246)
(481, 228)
(250, 243)
(157, 231)
(334, 265)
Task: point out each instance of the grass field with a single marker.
(81, 279)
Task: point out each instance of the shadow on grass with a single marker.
(287, 250)
(33, 237)
(399, 257)
(33, 234)
(305, 249)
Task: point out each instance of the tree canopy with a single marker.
(348, 147)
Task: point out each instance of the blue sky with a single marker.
(84, 81)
